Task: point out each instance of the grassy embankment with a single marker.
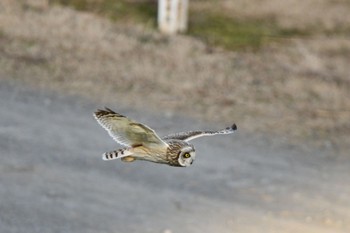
(210, 25)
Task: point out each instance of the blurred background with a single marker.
(278, 69)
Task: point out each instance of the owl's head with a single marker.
(186, 156)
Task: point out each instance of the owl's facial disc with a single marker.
(186, 156)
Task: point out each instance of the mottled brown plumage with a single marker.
(142, 143)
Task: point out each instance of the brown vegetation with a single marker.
(297, 88)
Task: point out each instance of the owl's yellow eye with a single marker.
(187, 155)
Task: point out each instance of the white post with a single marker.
(172, 16)
(183, 16)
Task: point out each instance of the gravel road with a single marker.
(52, 178)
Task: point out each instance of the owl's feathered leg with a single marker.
(128, 159)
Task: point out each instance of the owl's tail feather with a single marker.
(116, 154)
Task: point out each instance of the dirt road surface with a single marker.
(52, 178)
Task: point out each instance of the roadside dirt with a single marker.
(52, 177)
(296, 91)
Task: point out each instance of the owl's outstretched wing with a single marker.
(127, 132)
(187, 136)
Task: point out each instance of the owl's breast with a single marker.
(157, 155)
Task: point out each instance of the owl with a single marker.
(142, 143)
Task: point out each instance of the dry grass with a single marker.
(297, 90)
(315, 15)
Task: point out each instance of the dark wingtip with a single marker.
(109, 110)
(234, 127)
(106, 111)
(101, 112)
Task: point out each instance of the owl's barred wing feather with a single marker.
(187, 136)
(127, 132)
(116, 154)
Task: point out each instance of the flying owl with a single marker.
(142, 143)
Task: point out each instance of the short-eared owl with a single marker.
(142, 143)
